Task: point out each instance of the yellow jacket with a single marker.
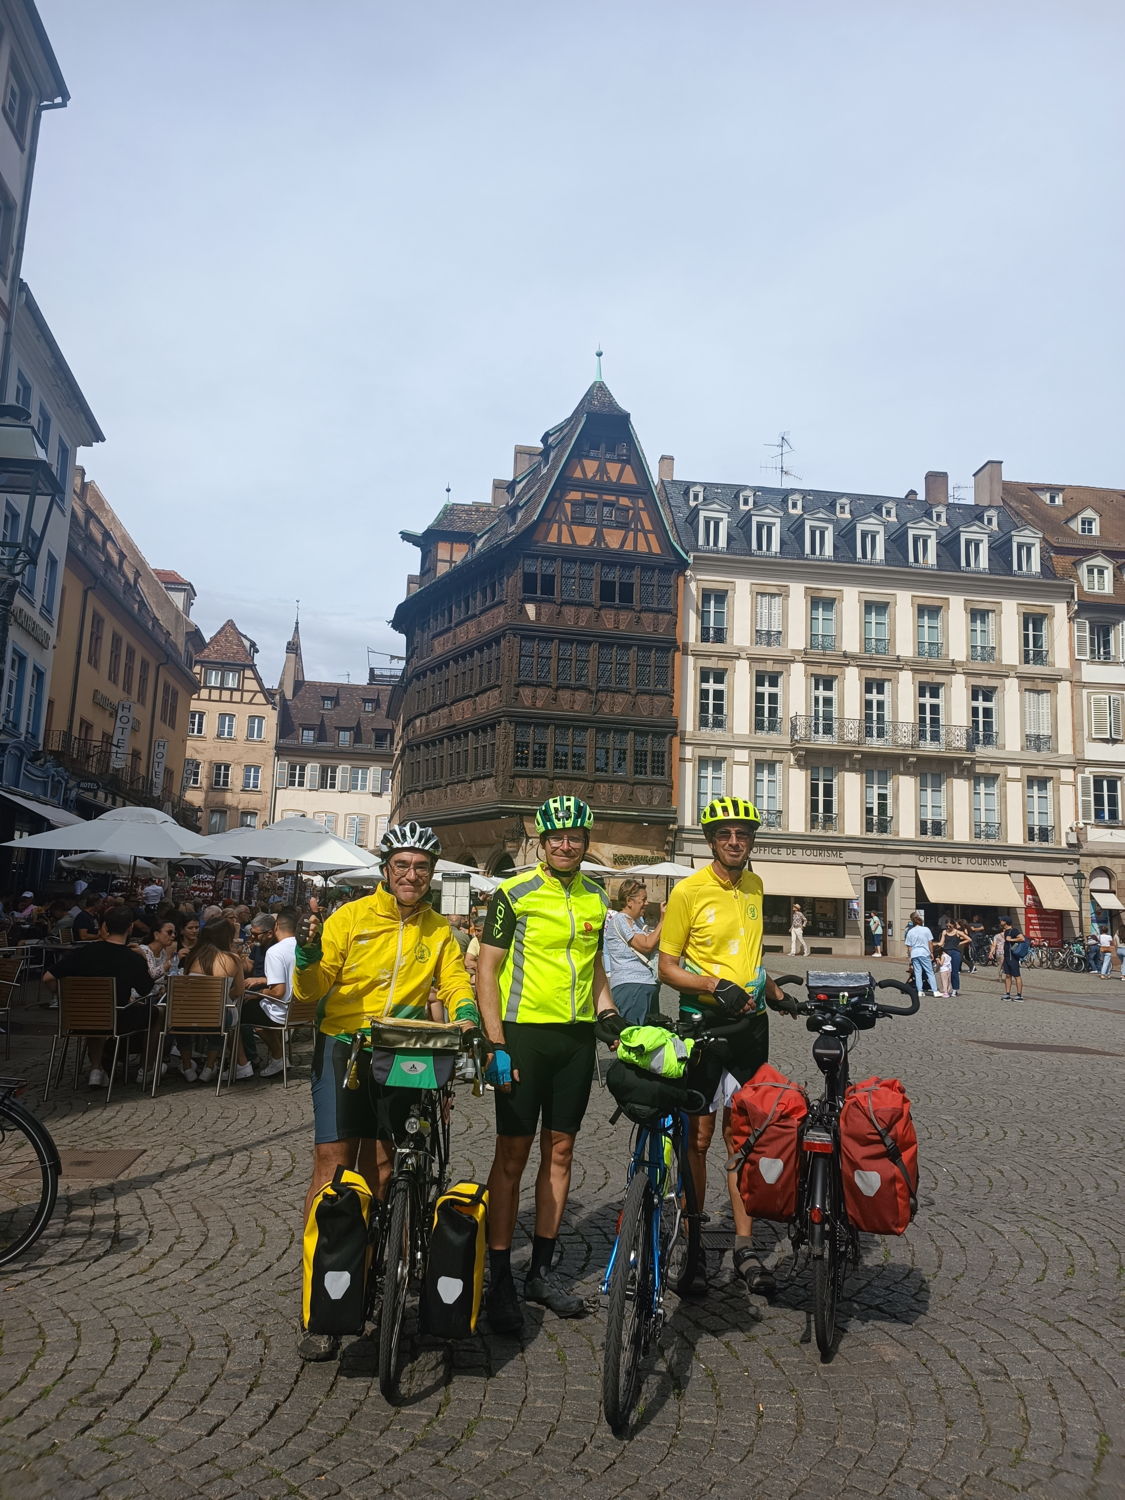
(375, 964)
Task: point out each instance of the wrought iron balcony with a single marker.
(93, 760)
(767, 637)
(766, 551)
(878, 823)
(982, 653)
(874, 646)
(931, 649)
(821, 642)
(770, 816)
(1102, 653)
(1035, 656)
(984, 739)
(712, 721)
(1040, 833)
(1038, 741)
(918, 563)
(767, 723)
(823, 823)
(931, 828)
(986, 830)
(715, 634)
(820, 729)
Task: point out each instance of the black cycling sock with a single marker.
(499, 1266)
(542, 1254)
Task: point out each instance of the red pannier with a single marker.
(766, 1117)
(878, 1156)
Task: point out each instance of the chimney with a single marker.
(988, 483)
(523, 459)
(666, 468)
(937, 487)
(500, 492)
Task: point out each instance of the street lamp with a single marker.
(1080, 886)
(24, 470)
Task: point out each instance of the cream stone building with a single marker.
(232, 724)
(888, 679)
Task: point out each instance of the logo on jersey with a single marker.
(421, 953)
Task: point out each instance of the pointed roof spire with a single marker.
(293, 667)
(598, 357)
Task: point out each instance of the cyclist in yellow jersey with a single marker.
(373, 959)
(711, 950)
(540, 986)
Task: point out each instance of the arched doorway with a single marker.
(502, 865)
(877, 904)
(1104, 903)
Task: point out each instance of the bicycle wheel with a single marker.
(398, 1253)
(630, 1304)
(29, 1179)
(1075, 963)
(828, 1269)
(681, 1235)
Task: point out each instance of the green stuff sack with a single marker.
(654, 1049)
(337, 1256)
(451, 1294)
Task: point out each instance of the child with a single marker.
(945, 976)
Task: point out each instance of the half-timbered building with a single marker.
(541, 638)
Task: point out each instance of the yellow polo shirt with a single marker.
(716, 927)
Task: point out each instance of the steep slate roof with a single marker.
(1068, 546)
(821, 504)
(305, 710)
(227, 645)
(460, 519)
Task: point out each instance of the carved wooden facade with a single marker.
(541, 651)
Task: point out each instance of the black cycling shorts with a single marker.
(371, 1112)
(555, 1062)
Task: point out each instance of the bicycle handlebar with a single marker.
(809, 1007)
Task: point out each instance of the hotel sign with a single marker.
(159, 756)
(119, 745)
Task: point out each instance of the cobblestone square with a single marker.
(149, 1340)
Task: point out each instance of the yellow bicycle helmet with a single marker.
(729, 810)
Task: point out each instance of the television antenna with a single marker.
(779, 466)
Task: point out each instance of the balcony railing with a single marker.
(93, 760)
(917, 562)
(984, 739)
(1035, 656)
(823, 823)
(982, 653)
(715, 634)
(821, 642)
(773, 551)
(1102, 653)
(767, 637)
(874, 646)
(712, 721)
(878, 733)
(986, 830)
(931, 649)
(767, 723)
(770, 816)
(931, 828)
(1038, 741)
(878, 823)
(1040, 833)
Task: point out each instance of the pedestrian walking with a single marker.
(875, 928)
(1105, 952)
(919, 942)
(1015, 948)
(797, 920)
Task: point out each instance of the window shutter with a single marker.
(1082, 638)
(283, 773)
(1086, 798)
(1116, 704)
(1037, 712)
(769, 612)
(1099, 716)
(312, 777)
(344, 779)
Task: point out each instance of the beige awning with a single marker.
(58, 817)
(1054, 892)
(783, 879)
(1107, 901)
(970, 888)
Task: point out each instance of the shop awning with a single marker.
(1107, 901)
(782, 879)
(1054, 892)
(58, 817)
(970, 888)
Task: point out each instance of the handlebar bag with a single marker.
(336, 1256)
(766, 1118)
(451, 1292)
(642, 1095)
(878, 1156)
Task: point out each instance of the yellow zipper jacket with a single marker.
(375, 964)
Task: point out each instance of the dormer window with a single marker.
(889, 511)
(1025, 557)
(1088, 523)
(974, 554)
(818, 539)
(921, 549)
(869, 544)
(795, 504)
(746, 499)
(327, 703)
(713, 531)
(1097, 577)
(938, 514)
(990, 519)
(765, 534)
(843, 508)
(695, 495)
(1052, 497)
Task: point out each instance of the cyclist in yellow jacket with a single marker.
(373, 959)
(540, 986)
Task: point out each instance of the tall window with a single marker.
(220, 774)
(1100, 640)
(974, 556)
(34, 703)
(876, 627)
(226, 727)
(1106, 716)
(876, 698)
(256, 727)
(617, 584)
(765, 537)
(824, 708)
(248, 820)
(50, 585)
(713, 532)
(822, 798)
(142, 682)
(822, 624)
(535, 659)
(930, 730)
(931, 805)
(291, 773)
(217, 820)
(193, 773)
(767, 703)
(818, 540)
(1026, 557)
(355, 828)
(869, 545)
(982, 634)
(982, 711)
(195, 722)
(929, 630)
(1037, 720)
(251, 778)
(1039, 829)
(539, 577)
(713, 616)
(712, 698)
(877, 801)
(767, 620)
(921, 550)
(986, 807)
(1035, 640)
(767, 792)
(128, 671)
(94, 641)
(710, 781)
(578, 580)
(574, 663)
(113, 665)
(1101, 799)
(360, 779)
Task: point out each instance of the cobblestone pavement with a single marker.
(148, 1343)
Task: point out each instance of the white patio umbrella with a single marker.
(664, 868)
(120, 864)
(141, 832)
(591, 867)
(302, 840)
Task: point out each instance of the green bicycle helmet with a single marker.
(558, 813)
(729, 810)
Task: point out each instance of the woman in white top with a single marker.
(628, 945)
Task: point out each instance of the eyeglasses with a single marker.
(422, 867)
(560, 840)
(734, 835)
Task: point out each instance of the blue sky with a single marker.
(313, 264)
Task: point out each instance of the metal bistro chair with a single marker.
(11, 974)
(198, 1005)
(87, 1007)
(300, 1013)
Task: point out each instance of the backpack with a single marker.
(766, 1116)
(451, 1293)
(878, 1156)
(337, 1256)
(1021, 949)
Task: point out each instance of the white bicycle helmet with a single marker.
(410, 835)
